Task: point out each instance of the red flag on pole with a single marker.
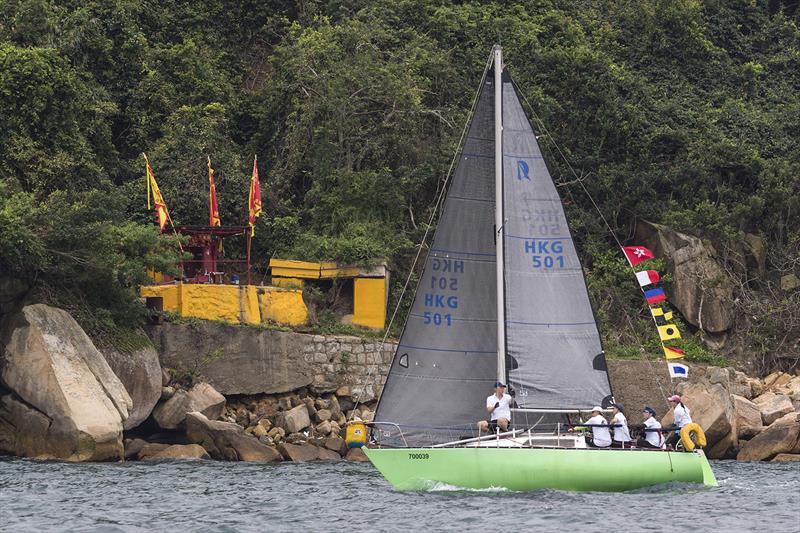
(637, 254)
(213, 211)
(162, 214)
(254, 202)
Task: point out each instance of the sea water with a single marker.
(341, 496)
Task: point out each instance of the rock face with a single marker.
(174, 451)
(227, 441)
(783, 436)
(773, 406)
(140, 373)
(748, 418)
(66, 402)
(301, 453)
(246, 361)
(357, 455)
(700, 289)
(201, 398)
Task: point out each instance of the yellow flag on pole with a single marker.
(162, 214)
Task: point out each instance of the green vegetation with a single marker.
(681, 112)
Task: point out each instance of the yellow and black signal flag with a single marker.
(670, 331)
(162, 214)
(660, 316)
(213, 210)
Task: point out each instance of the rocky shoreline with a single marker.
(239, 394)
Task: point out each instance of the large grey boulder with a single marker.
(295, 419)
(200, 398)
(235, 360)
(65, 400)
(140, 373)
(226, 440)
(174, 451)
(773, 406)
(783, 436)
(700, 289)
(748, 418)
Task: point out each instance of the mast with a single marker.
(498, 211)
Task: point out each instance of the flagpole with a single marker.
(249, 238)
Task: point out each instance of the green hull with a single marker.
(524, 469)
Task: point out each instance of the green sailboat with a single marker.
(503, 297)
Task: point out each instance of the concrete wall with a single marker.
(247, 360)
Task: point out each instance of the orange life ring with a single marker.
(692, 430)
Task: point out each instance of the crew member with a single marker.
(622, 436)
(498, 405)
(601, 438)
(682, 417)
(652, 430)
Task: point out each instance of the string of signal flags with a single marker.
(162, 213)
(656, 299)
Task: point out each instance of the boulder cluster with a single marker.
(745, 418)
(62, 398)
(199, 423)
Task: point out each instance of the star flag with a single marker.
(668, 332)
(213, 211)
(162, 214)
(653, 296)
(647, 277)
(671, 352)
(637, 254)
(254, 202)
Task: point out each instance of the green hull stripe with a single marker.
(538, 468)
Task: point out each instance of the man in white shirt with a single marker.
(622, 437)
(601, 438)
(652, 430)
(498, 405)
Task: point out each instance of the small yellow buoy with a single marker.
(356, 434)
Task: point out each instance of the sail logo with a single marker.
(523, 172)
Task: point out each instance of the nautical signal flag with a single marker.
(653, 296)
(254, 202)
(677, 370)
(213, 210)
(647, 277)
(162, 214)
(670, 352)
(668, 332)
(637, 254)
(660, 316)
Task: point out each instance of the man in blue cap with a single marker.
(498, 405)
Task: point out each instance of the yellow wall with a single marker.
(282, 306)
(369, 302)
(288, 283)
(236, 304)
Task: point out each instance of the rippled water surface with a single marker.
(212, 496)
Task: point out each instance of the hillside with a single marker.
(682, 113)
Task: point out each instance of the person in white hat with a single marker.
(601, 437)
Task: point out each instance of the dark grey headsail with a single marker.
(551, 333)
(445, 364)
